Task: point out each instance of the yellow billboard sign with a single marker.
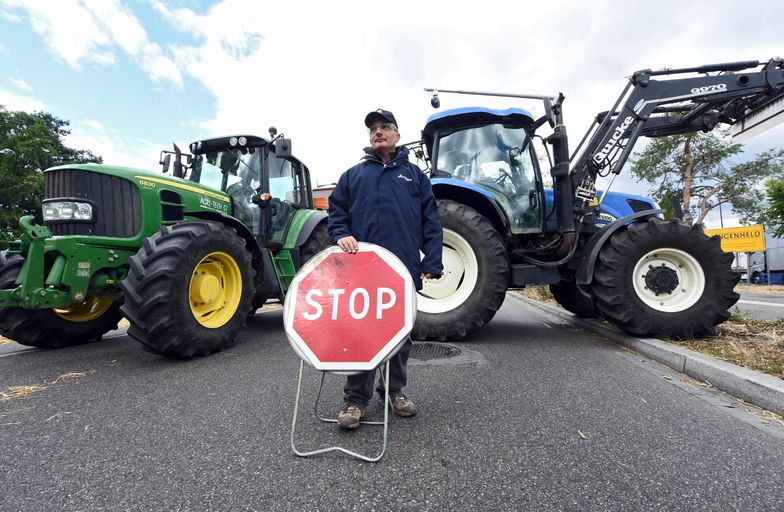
(742, 239)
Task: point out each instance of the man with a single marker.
(388, 201)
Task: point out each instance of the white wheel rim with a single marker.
(458, 281)
(691, 280)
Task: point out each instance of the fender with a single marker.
(591, 250)
(475, 197)
(250, 241)
(310, 224)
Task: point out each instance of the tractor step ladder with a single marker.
(284, 272)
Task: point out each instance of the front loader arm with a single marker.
(656, 108)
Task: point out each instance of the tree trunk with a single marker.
(687, 181)
(704, 202)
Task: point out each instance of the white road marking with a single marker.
(758, 303)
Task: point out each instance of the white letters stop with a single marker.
(359, 303)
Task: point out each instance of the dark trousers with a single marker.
(359, 388)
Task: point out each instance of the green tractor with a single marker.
(185, 258)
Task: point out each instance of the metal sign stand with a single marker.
(360, 456)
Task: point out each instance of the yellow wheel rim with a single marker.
(88, 310)
(215, 289)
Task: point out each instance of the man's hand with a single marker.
(427, 275)
(348, 244)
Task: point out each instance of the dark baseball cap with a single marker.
(380, 114)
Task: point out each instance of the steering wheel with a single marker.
(500, 180)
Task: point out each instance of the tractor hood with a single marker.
(145, 179)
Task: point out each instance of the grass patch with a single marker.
(541, 293)
(755, 344)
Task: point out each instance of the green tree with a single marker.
(772, 214)
(30, 143)
(694, 168)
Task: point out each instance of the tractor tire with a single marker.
(54, 328)
(316, 242)
(573, 299)
(473, 285)
(664, 279)
(189, 288)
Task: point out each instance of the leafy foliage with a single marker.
(30, 143)
(773, 215)
(695, 169)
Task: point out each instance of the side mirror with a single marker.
(165, 161)
(283, 148)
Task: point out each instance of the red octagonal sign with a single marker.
(350, 312)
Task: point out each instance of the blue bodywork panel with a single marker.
(468, 111)
(616, 204)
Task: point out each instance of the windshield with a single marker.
(239, 168)
(236, 172)
(501, 160)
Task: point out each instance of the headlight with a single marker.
(67, 210)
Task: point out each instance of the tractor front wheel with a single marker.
(473, 285)
(574, 299)
(664, 279)
(54, 328)
(188, 292)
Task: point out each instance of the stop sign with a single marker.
(350, 312)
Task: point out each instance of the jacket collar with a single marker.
(400, 152)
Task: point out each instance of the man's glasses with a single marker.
(384, 127)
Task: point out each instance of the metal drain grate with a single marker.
(431, 351)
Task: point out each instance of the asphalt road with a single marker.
(761, 306)
(534, 415)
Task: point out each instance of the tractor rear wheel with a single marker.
(54, 328)
(574, 299)
(473, 285)
(316, 242)
(188, 291)
(664, 279)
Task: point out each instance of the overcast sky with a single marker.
(135, 76)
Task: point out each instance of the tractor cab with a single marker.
(256, 173)
(488, 155)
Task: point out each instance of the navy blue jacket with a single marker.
(391, 205)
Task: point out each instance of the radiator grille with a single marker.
(116, 205)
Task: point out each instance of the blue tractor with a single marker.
(493, 201)
(601, 253)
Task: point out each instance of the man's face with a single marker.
(383, 136)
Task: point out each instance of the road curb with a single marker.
(755, 387)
